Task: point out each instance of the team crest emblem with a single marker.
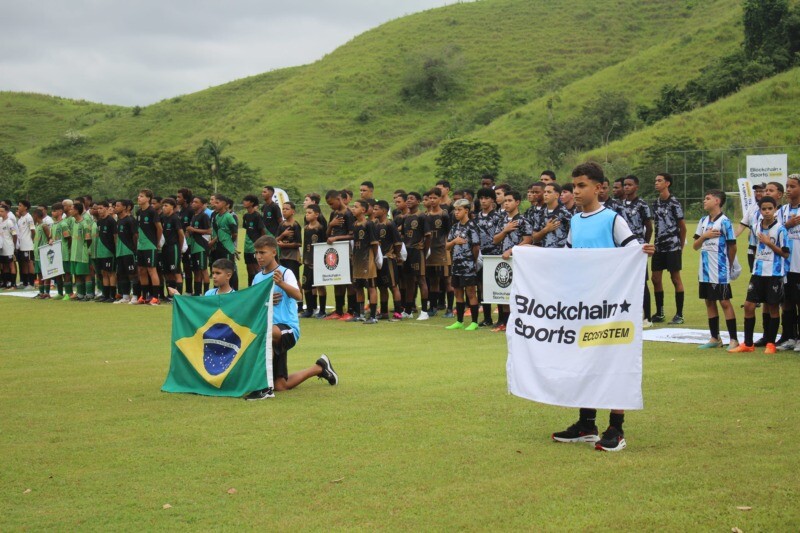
(414, 224)
(438, 223)
(503, 275)
(314, 238)
(147, 219)
(361, 234)
(331, 259)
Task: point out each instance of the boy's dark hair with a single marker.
(127, 204)
(185, 193)
(38, 213)
(515, 195)
(252, 198)
(551, 174)
(769, 200)
(620, 180)
(485, 193)
(158, 199)
(632, 178)
(203, 201)
(488, 176)
(402, 195)
(347, 192)
(556, 187)
(266, 241)
(332, 194)
(371, 202)
(667, 177)
(416, 195)
(398, 191)
(605, 180)
(314, 208)
(469, 192)
(314, 197)
(591, 170)
(717, 193)
(568, 187)
(270, 188)
(363, 203)
(369, 184)
(290, 204)
(87, 198)
(224, 264)
(26, 203)
(383, 204)
(78, 207)
(536, 184)
(56, 207)
(170, 201)
(778, 185)
(443, 183)
(146, 192)
(436, 191)
(505, 187)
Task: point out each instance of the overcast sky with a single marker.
(142, 51)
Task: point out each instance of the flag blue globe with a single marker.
(220, 346)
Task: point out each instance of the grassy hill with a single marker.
(343, 119)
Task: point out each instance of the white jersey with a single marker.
(715, 264)
(768, 263)
(793, 241)
(47, 220)
(7, 231)
(25, 227)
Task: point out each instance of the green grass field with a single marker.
(420, 434)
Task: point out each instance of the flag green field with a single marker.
(420, 434)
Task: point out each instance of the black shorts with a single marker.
(6, 259)
(24, 255)
(250, 259)
(307, 282)
(126, 266)
(364, 283)
(105, 264)
(715, 291)
(415, 263)
(170, 260)
(792, 288)
(146, 259)
(461, 282)
(765, 290)
(437, 272)
(280, 367)
(671, 261)
(387, 275)
(199, 261)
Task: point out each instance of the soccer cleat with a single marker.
(333, 316)
(468, 312)
(328, 373)
(135, 301)
(432, 311)
(370, 320)
(66, 298)
(499, 328)
(356, 318)
(677, 319)
(646, 324)
(742, 348)
(769, 349)
(423, 316)
(613, 440)
(797, 347)
(788, 344)
(455, 325)
(710, 344)
(308, 313)
(448, 314)
(577, 432)
(153, 301)
(262, 394)
(471, 327)
(99, 298)
(397, 316)
(30, 288)
(346, 317)
(760, 343)
(486, 323)
(321, 314)
(406, 316)
(123, 300)
(384, 316)
(658, 318)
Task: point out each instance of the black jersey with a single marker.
(364, 236)
(347, 227)
(667, 215)
(126, 229)
(388, 235)
(489, 224)
(637, 213)
(200, 242)
(440, 227)
(170, 226)
(185, 215)
(106, 229)
(272, 217)
(253, 229)
(310, 238)
(291, 253)
(415, 227)
(146, 220)
(515, 237)
(558, 237)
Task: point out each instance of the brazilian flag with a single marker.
(221, 345)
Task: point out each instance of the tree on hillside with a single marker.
(433, 76)
(462, 162)
(65, 179)
(766, 32)
(210, 155)
(12, 175)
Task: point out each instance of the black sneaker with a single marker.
(486, 323)
(432, 311)
(262, 394)
(613, 440)
(658, 318)
(577, 432)
(328, 373)
(307, 313)
(760, 343)
(677, 319)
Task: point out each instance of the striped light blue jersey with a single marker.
(285, 311)
(714, 263)
(793, 243)
(767, 262)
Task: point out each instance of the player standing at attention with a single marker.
(568, 199)
(790, 215)
(127, 234)
(365, 250)
(465, 245)
(670, 231)
(254, 228)
(199, 233)
(552, 224)
(536, 199)
(596, 227)
(717, 244)
(514, 230)
(25, 231)
(285, 324)
(227, 230)
(437, 264)
(185, 213)
(104, 250)
(766, 283)
(340, 228)
(637, 214)
(79, 252)
(391, 243)
(56, 235)
(40, 238)
(149, 235)
(748, 219)
(417, 239)
(173, 244)
(290, 241)
(313, 233)
(270, 210)
(488, 220)
(8, 242)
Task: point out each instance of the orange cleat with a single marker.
(770, 349)
(742, 348)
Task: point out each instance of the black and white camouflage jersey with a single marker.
(515, 237)
(463, 260)
(667, 214)
(557, 238)
(636, 213)
(487, 228)
(533, 212)
(614, 204)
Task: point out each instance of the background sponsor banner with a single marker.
(332, 263)
(498, 273)
(766, 168)
(746, 196)
(576, 340)
(50, 260)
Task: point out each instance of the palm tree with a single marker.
(210, 154)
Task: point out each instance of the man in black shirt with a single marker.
(254, 228)
(199, 233)
(147, 246)
(416, 232)
(270, 210)
(185, 213)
